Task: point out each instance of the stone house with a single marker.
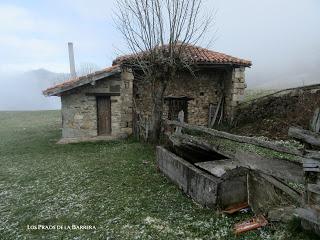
(111, 102)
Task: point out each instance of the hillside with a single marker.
(271, 113)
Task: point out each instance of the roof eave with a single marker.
(86, 80)
(208, 64)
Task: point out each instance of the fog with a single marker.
(23, 91)
(280, 37)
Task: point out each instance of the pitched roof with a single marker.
(80, 81)
(196, 55)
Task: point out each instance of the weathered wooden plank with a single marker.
(305, 136)
(237, 138)
(102, 94)
(279, 168)
(310, 161)
(311, 165)
(312, 154)
(210, 114)
(315, 122)
(311, 169)
(216, 113)
(308, 214)
(315, 188)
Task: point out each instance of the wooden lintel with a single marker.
(103, 94)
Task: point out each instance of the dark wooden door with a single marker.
(104, 115)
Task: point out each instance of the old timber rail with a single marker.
(276, 160)
(238, 138)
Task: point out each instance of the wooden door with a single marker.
(104, 115)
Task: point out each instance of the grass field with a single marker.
(113, 186)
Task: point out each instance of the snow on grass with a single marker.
(113, 186)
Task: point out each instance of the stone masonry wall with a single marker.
(234, 91)
(126, 100)
(207, 88)
(79, 110)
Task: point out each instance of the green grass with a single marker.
(251, 94)
(114, 186)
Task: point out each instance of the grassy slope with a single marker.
(112, 185)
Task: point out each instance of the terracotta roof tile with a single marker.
(196, 55)
(78, 81)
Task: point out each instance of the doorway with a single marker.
(175, 105)
(104, 115)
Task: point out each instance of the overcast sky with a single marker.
(279, 36)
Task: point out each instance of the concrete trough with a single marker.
(212, 184)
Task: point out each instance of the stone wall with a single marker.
(234, 91)
(79, 117)
(79, 109)
(205, 88)
(126, 100)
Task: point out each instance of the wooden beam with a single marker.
(309, 214)
(305, 136)
(238, 138)
(311, 165)
(312, 154)
(103, 94)
(213, 120)
(277, 167)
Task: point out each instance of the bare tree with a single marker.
(86, 68)
(83, 69)
(157, 32)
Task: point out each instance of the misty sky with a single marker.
(281, 37)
